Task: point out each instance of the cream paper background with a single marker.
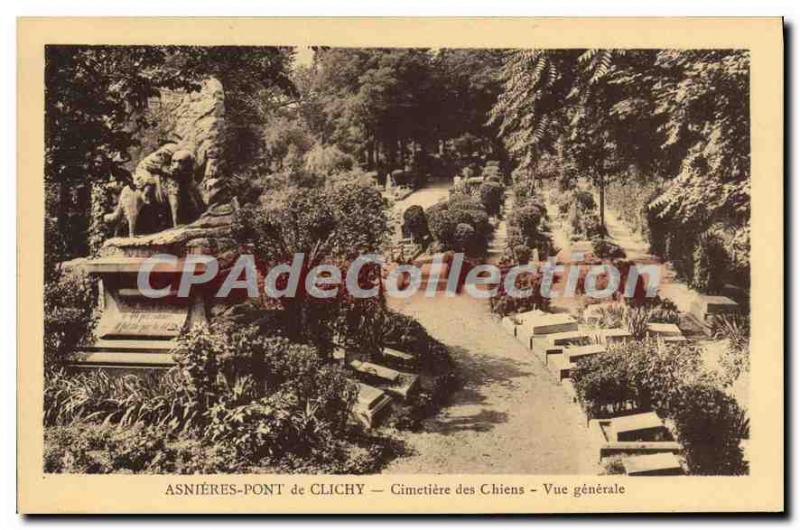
(761, 490)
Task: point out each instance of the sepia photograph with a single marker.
(397, 261)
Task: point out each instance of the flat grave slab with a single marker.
(375, 370)
(706, 306)
(561, 367)
(547, 323)
(544, 348)
(399, 358)
(397, 383)
(656, 464)
(645, 426)
(567, 338)
(659, 329)
(371, 404)
(573, 353)
(614, 335)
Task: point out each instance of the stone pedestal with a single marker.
(135, 331)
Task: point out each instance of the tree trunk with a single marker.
(602, 206)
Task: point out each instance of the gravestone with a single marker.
(371, 405)
(399, 359)
(135, 331)
(397, 383)
(663, 329)
(705, 307)
(615, 335)
(657, 464)
(548, 323)
(646, 426)
(573, 353)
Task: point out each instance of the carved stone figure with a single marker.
(175, 183)
(130, 204)
(164, 178)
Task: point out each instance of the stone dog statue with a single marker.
(165, 178)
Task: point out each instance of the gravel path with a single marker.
(509, 417)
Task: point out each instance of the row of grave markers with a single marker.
(646, 445)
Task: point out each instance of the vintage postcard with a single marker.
(400, 266)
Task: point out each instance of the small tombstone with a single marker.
(562, 367)
(540, 323)
(399, 384)
(656, 464)
(370, 405)
(664, 330)
(706, 306)
(573, 353)
(542, 346)
(568, 338)
(399, 358)
(646, 426)
(615, 335)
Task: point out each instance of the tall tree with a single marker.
(94, 96)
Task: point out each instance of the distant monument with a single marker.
(182, 181)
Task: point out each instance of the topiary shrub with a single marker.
(464, 238)
(442, 226)
(502, 303)
(415, 223)
(491, 194)
(584, 200)
(522, 254)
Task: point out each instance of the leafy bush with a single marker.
(442, 226)
(327, 160)
(502, 303)
(603, 384)
(522, 254)
(603, 248)
(636, 375)
(584, 201)
(105, 448)
(69, 315)
(491, 194)
(444, 219)
(663, 310)
(96, 397)
(527, 226)
(406, 334)
(636, 320)
(416, 223)
(464, 237)
(710, 426)
(736, 330)
(261, 401)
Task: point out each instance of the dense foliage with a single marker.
(668, 378)
(95, 97)
(679, 118)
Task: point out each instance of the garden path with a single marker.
(510, 416)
